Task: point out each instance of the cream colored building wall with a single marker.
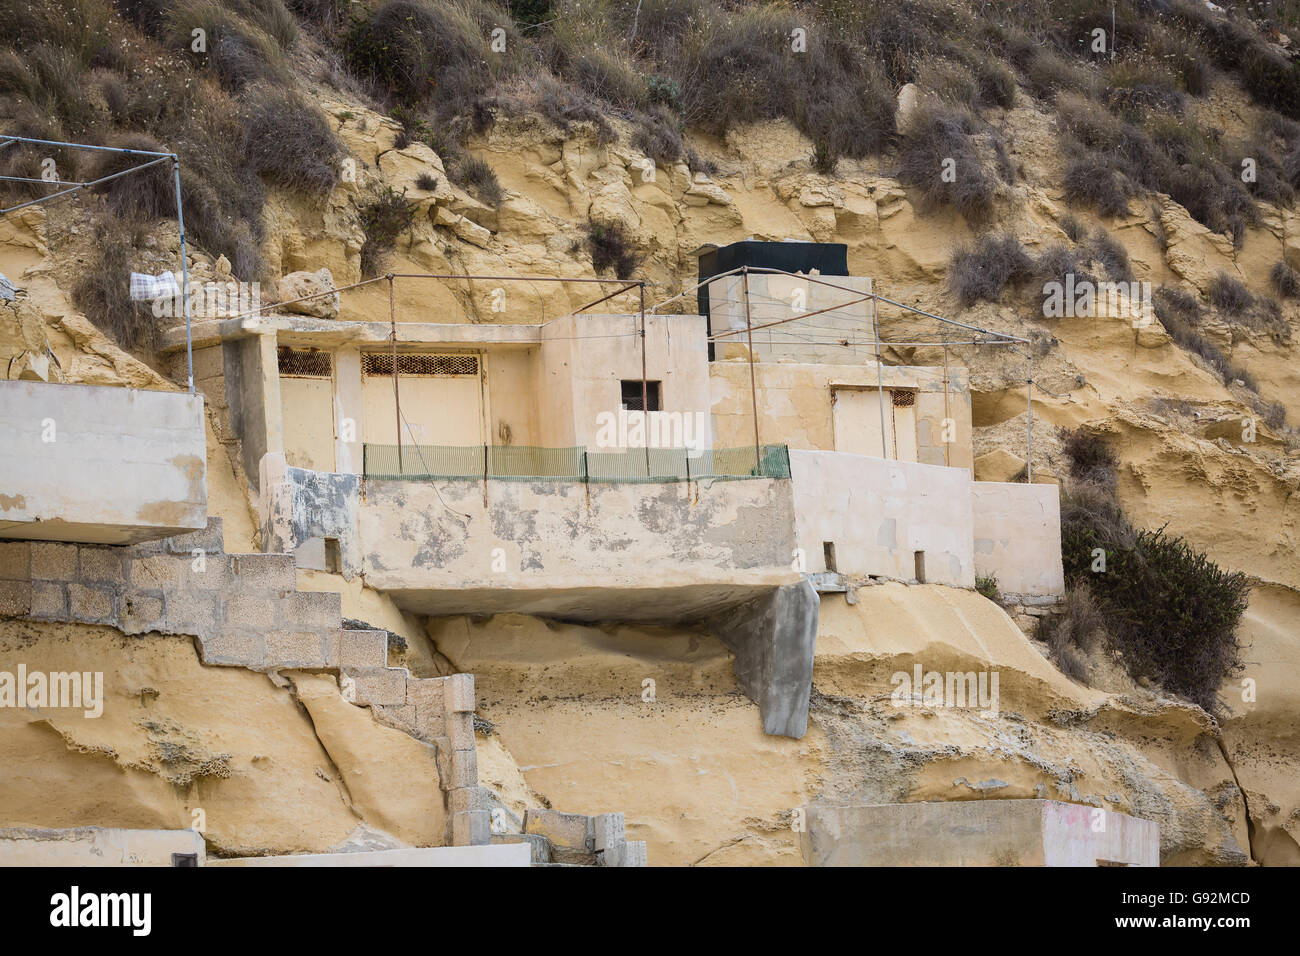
(514, 402)
(879, 513)
(777, 298)
(349, 411)
(589, 355)
(307, 420)
(1017, 533)
(794, 405)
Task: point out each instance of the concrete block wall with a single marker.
(439, 710)
(245, 611)
(578, 840)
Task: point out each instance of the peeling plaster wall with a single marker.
(1017, 531)
(100, 464)
(879, 513)
(300, 508)
(441, 534)
(794, 405)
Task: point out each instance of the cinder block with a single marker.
(425, 692)
(294, 649)
(156, 571)
(208, 540)
(610, 830)
(464, 799)
(316, 611)
(362, 649)
(191, 613)
(90, 604)
(571, 830)
(456, 768)
(380, 686)
(141, 612)
(49, 600)
(15, 561)
(401, 717)
(624, 854)
(460, 731)
(241, 648)
(211, 574)
(265, 572)
(244, 610)
(101, 565)
(471, 828)
(52, 561)
(15, 598)
(459, 693)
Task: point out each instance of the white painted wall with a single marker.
(1017, 534)
(879, 513)
(124, 465)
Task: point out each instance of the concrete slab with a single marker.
(100, 465)
(977, 833)
(515, 854)
(99, 846)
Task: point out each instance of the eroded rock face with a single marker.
(179, 744)
(593, 744)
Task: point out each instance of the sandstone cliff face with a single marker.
(693, 771)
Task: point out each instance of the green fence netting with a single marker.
(529, 462)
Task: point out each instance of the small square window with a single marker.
(631, 395)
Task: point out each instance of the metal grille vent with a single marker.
(304, 363)
(903, 398)
(381, 363)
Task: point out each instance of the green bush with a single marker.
(383, 218)
(1170, 611)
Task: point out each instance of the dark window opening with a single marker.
(631, 395)
(333, 556)
(185, 859)
(828, 553)
(919, 557)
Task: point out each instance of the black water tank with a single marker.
(828, 258)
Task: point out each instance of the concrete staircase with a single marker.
(246, 611)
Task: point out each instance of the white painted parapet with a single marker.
(1018, 539)
(100, 465)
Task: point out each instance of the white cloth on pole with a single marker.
(146, 288)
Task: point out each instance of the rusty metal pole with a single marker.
(753, 387)
(1029, 414)
(880, 381)
(645, 387)
(397, 403)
